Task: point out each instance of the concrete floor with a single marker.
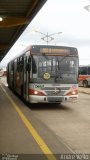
(14, 136)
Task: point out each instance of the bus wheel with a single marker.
(85, 83)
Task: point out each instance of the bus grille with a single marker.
(55, 91)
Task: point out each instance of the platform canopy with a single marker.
(15, 16)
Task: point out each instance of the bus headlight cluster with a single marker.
(74, 92)
(36, 92)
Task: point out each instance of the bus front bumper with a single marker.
(52, 99)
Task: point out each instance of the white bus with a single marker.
(46, 74)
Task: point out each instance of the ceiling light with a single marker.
(1, 19)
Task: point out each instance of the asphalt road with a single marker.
(21, 132)
(69, 121)
(65, 127)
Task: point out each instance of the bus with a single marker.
(84, 75)
(45, 74)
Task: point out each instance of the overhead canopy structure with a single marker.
(15, 15)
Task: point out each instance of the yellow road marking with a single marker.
(32, 131)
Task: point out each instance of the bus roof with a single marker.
(48, 49)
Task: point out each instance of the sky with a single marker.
(66, 16)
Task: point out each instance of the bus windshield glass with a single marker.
(59, 69)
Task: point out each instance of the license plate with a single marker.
(55, 99)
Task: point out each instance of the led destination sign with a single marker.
(54, 50)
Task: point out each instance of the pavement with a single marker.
(84, 90)
(3, 80)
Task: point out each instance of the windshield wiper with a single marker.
(57, 72)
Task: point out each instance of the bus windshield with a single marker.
(51, 69)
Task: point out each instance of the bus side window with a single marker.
(80, 69)
(88, 70)
(28, 66)
(21, 64)
(84, 70)
(18, 64)
(34, 68)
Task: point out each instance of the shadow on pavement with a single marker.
(48, 106)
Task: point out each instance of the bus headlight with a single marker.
(73, 92)
(36, 92)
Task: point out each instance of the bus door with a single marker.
(26, 76)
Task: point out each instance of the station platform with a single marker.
(21, 133)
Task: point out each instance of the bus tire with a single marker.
(85, 83)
